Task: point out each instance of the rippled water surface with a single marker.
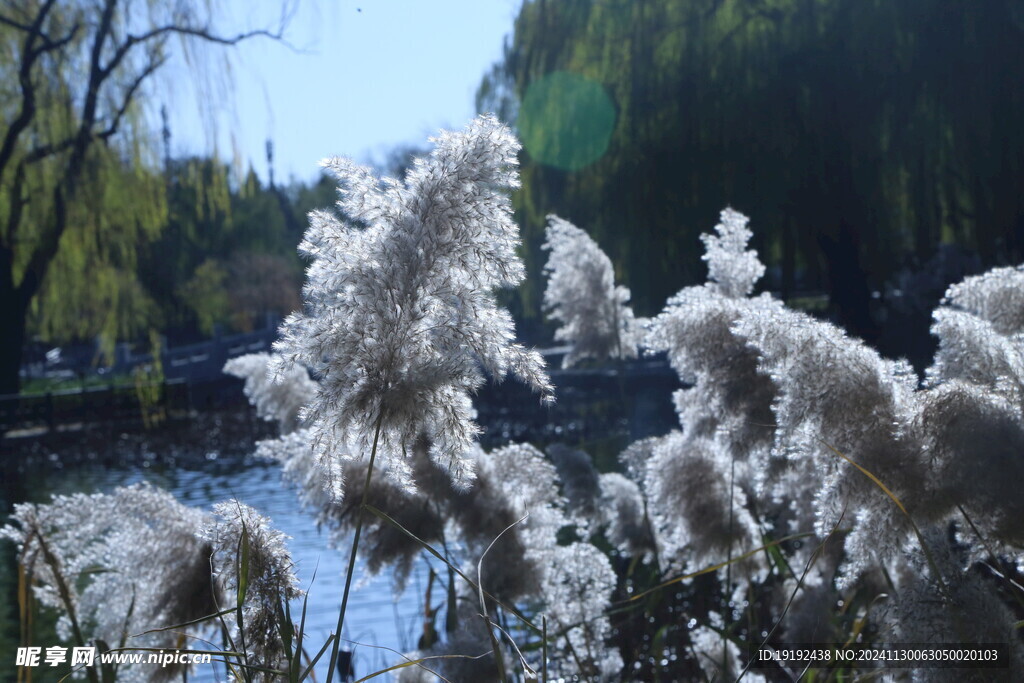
(204, 461)
(375, 616)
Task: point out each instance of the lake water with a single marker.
(375, 618)
(205, 461)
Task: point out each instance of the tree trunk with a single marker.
(12, 340)
(12, 336)
(849, 290)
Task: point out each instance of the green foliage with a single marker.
(191, 247)
(81, 194)
(54, 384)
(90, 286)
(56, 181)
(149, 385)
(227, 254)
(206, 293)
(303, 199)
(870, 123)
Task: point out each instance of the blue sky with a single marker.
(369, 75)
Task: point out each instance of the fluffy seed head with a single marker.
(400, 321)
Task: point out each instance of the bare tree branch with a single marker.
(45, 151)
(49, 239)
(129, 96)
(7, 21)
(195, 32)
(29, 56)
(50, 45)
(87, 131)
(15, 210)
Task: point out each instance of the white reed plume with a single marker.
(245, 544)
(278, 398)
(582, 295)
(116, 564)
(400, 319)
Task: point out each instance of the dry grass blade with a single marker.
(175, 627)
(498, 658)
(1004, 574)
(892, 496)
(309, 669)
(531, 674)
(720, 565)
(862, 621)
(65, 594)
(418, 662)
(25, 611)
(878, 482)
(799, 584)
(430, 549)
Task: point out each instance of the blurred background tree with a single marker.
(80, 184)
(227, 253)
(874, 144)
(859, 135)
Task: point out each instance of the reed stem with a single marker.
(352, 554)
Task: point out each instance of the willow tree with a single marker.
(863, 134)
(78, 180)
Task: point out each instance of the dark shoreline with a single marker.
(230, 432)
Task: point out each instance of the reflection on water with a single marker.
(204, 461)
(375, 616)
